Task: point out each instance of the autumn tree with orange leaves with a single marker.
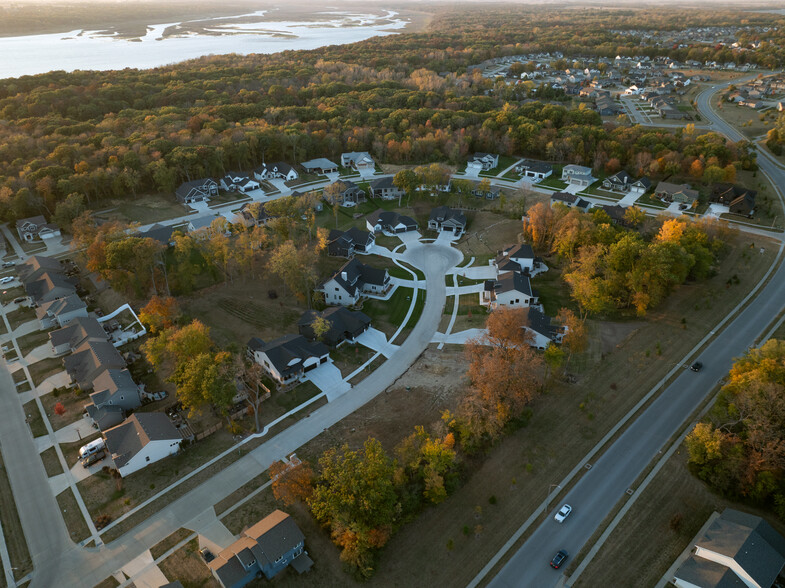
(291, 482)
(505, 375)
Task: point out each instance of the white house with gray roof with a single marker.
(737, 549)
(511, 290)
(577, 175)
(58, 313)
(518, 258)
(359, 160)
(142, 439)
(287, 358)
(352, 281)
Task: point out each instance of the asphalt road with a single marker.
(599, 489)
(78, 567)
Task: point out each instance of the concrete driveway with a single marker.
(674, 208)
(481, 272)
(377, 341)
(574, 188)
(409, 237)
(280, 185)
(630, 199)
(327, 377)
(715, 210)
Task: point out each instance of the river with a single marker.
(100, 50)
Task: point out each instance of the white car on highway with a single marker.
(563, 513)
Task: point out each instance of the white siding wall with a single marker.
(150, 453)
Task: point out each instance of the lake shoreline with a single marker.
(168, 43)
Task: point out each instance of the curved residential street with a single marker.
(599, 489)
(63, 564)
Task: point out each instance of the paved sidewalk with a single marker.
(144, 572)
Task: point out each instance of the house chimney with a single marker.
(344, 276)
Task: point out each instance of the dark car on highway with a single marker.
(696, 367)
(558, 559)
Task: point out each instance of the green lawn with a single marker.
(296, 396)
(34, 419)
(32, 340)
(147, 210)
(9, 294)
(505, 161)
(41, 370)
(554, 292)
(20, 316)
(647, 200)
(553, 182)
(392, 312)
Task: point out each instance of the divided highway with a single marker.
(597, 492)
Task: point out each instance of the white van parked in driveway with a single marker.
(91, 448)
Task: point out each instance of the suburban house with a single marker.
(239, 182)
(616, 213)
(142, 439)
(50, 285)
(89, 359)
(349, 193)
(385, 189)
(70, 337)
(680, 193)
(114, 394)
(352, 281)
(570, 201)
(252, 214)
(36, 226)
(35, 266)
(515, 258)
(512, 289)
(320, 166)
(738, 199)
(389, 222)
(618, 182)
(641, 186)
(196, 191)
(492, 193)
(279, 170)
(160, 233)
(482, 162)
(540, 330)
(536, 170)
(345, 325)
(287, 358)
(267, 548)
(58, 313)
(200, 227)
(359, 160)
(444, 218)
(737, 549)
(577, 175)
(347, 243)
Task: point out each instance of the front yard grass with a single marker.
(553, 182)
(388, 315)
(162, 547)
(293, 398)
(34, 419)
(41, 370)
(505, 161)
(649, 200)
(32, 340)
(12, 528)
(10, 294)
(146, 209)
(187, 566)
(73, 402)
(20, 316)
(74, 521)
(348, 358)
(51, 462)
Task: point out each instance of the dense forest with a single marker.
(404, 98)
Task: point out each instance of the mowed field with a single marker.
(446, 545)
